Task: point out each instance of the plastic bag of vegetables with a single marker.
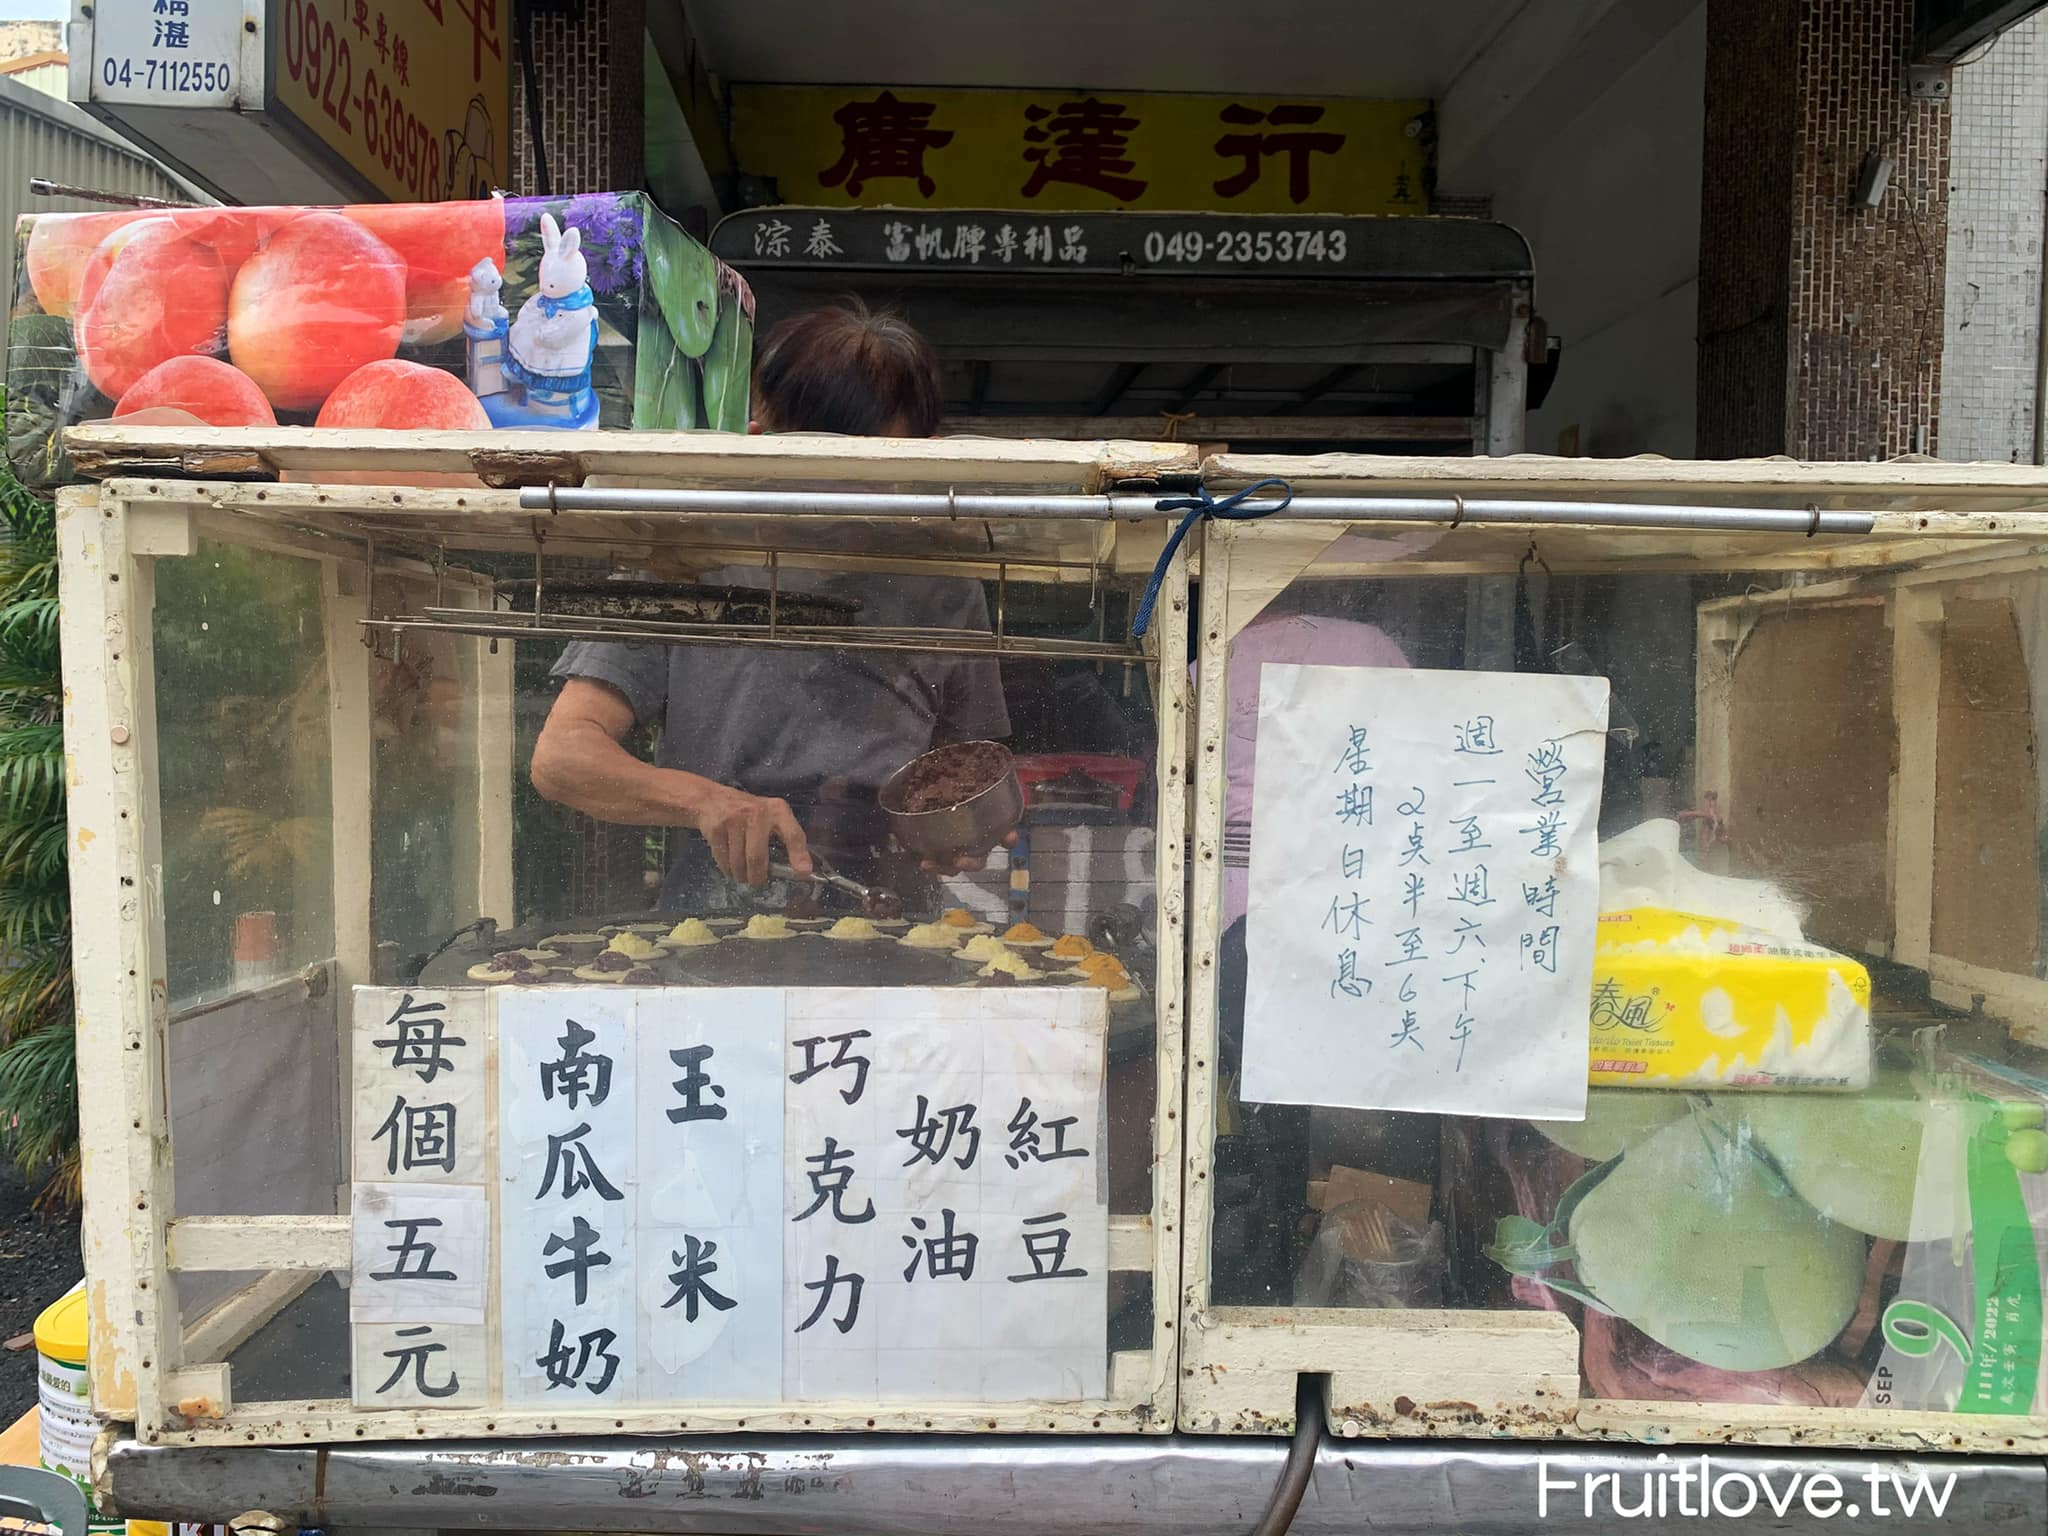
(1693, 1236)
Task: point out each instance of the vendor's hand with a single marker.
(964, 863)
(739, 828)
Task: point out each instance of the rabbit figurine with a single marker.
(486, 312)
(553, 340)
(483, 331)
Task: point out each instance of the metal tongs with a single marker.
(872, 898)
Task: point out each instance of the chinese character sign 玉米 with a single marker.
(1424, 890)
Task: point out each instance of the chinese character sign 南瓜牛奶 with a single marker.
(1424, 889)
(733, 1196)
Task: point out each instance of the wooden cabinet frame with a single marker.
(1485, 1374)
(1917, 604)
(1937, 528)
(169, 1379)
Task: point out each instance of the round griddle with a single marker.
(805, 959)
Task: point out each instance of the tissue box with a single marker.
(412, 316)
(1684, 1001)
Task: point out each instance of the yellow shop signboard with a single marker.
(413, 96)
(1068, 151)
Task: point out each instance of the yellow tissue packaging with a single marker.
(1684, 1001)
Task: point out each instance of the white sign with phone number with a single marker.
(1246, 247)
(164, 52)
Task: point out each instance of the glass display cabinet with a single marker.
(436, 1094)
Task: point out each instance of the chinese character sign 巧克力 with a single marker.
(1424, 895)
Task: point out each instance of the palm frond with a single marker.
(261, 846)
(65, 1186)
(32, 770)
(28, 517)
(27, 695)
(33, 989)
(31, 852)
(39, 1085)
(29, 620)
(38, 1048)
(26, 914)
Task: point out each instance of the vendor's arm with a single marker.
(579, 762)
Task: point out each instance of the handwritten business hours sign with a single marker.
(1424, 887)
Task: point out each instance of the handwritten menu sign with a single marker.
(947, 1234)
(1424, 890)
(739, 1196)
(420, 1222)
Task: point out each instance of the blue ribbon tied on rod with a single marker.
(1236, 507)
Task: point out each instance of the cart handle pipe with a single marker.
(1452, 511)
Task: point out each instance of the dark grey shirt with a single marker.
(819, 728)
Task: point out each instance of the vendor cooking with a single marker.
(761, 746)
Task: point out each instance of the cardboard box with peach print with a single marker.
(574, 313)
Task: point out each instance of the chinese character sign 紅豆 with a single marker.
(1424, 889)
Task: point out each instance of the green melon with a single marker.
(1854, 1158)
(1616, 1119)
(683, 277)
(1695, 1241)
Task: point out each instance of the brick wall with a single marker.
(1998, 168)
(1820, 323)
(1867, 283)
(594, 134)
